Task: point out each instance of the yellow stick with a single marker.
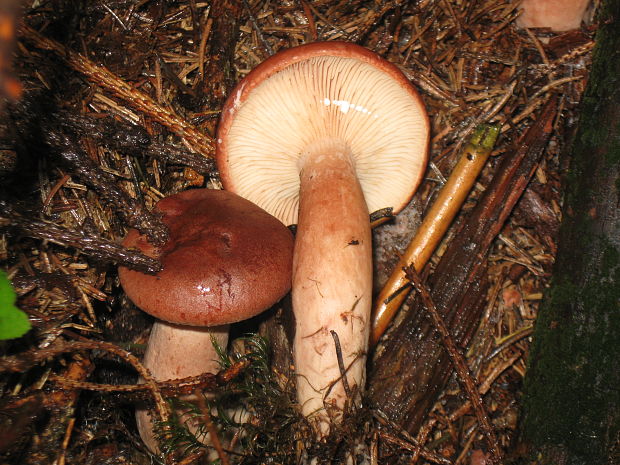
(434, 226)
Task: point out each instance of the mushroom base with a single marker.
(332, 285)
(176, 351)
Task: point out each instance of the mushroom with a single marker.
(319, 135)
(558, 15)
(226, 260)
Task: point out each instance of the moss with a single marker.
(571, 388)
(575, 371)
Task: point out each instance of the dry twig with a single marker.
(459, 364)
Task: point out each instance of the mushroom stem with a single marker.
(332, 282)
(177, 351)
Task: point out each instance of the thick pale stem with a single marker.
(332, 283)
(174, 352)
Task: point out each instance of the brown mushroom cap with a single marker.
(316, 93)
(226, 260)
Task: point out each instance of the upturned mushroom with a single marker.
(226, 260)
(319, 135)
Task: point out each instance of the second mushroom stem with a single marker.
(177, 351)
(332, 282)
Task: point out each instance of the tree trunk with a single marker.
(572, 401)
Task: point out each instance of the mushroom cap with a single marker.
(558, 15)
(307, 95)
(226, 260)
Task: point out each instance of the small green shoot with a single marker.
(14, 322)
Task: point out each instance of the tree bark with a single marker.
(572, 401)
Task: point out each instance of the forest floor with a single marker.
(118, 105)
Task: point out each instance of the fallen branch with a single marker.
(170, 388)
(96, 247)
(211, 428)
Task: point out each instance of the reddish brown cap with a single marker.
(226, 260)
